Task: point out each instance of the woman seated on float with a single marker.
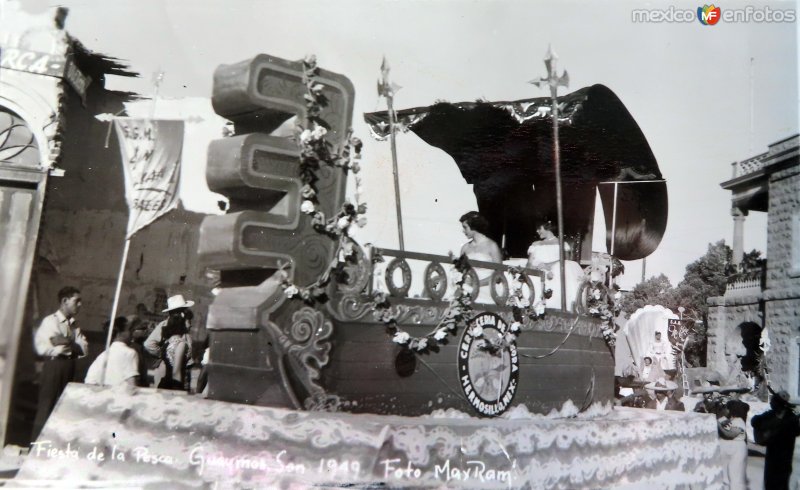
(481, 248)
(543, 255)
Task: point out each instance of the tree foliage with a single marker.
(654, 291)
(706, 277)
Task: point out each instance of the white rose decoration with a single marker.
(401, 337)
(476, 331)
(343, 222)
(440, 334)
(539, 309)
(307, 207)
(305, 136)
(291, 291)
(422, 344)
(319, 132)
(515, 327)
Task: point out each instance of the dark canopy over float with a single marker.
(505, 150)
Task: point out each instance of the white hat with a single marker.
(661, 385)
(177, 301)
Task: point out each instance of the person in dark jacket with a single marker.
(777, 429)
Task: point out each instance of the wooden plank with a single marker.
(29, 211)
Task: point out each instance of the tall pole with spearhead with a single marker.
(388, 89)
(554, 81)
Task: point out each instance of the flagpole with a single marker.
(553, 81)
(613, 232)
(395, 172)
(116, 298)
(559, 205)
(387, 89)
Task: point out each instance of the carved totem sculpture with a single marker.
(257, 356)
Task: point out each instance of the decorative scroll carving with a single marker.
(350, 307)
(357, 274)
(305, 345)
(358, 308)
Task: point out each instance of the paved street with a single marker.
(755, 467)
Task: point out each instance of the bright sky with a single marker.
(687, 85)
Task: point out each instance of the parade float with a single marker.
(306, 316)
(337, 363)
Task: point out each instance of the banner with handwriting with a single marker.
(151, 156)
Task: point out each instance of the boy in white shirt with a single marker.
(119, 364)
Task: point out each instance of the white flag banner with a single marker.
(151, 156)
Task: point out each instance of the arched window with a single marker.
(17, 144)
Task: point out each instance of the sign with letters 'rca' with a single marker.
(32, 62)
(47, 64)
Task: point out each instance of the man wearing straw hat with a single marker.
(177, 305)
(777, 429)
(664, 400)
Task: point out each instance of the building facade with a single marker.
(768, 298)
(63, 214)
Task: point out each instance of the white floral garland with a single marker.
(457, 313)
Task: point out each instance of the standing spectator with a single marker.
(664, 399)
(59, 341)
(119, 365)
(732, 428)
(171, 342)
(138, 331)
(777, 429)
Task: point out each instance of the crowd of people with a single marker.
(138, 348)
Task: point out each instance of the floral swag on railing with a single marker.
(521, 308)
(600, 304)
(315, 152)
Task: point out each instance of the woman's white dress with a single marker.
(543, 255)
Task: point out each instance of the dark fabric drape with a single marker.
(505, 150)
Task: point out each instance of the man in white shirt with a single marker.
(59, 341)
(119, 364)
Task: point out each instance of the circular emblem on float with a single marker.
(489, 380)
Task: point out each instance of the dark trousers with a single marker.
(56, 373)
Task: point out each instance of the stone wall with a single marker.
(82, 234)
(83, 248)
(724, 315)
(782, 297)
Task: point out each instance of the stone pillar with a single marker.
(738, 234)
